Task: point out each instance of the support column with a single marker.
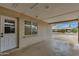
(78, 30)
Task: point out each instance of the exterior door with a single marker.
(8, 35)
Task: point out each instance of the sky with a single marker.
(72, 24)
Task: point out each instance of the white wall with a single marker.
(27, 40)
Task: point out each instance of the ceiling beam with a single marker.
(62, 14)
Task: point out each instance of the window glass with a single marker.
(9, 26)
(27, 27)
(34, 27)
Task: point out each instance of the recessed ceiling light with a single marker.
(14, 5)
(36, 16)
(46, 7)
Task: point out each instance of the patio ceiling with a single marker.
(48, 12)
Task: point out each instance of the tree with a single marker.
(74, 30)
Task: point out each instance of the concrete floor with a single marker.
(48, 47)
(39, 49)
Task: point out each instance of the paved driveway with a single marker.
(66, 36)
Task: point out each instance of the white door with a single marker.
(8, 35)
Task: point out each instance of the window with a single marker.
(30, 27)
(9, 26)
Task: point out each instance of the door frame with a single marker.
(17, 18)
(17, 34)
